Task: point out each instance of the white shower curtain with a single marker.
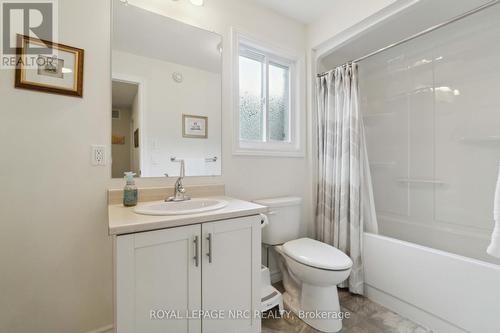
(344, 191)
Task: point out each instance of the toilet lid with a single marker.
(317, 254)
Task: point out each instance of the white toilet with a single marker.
(311, 269)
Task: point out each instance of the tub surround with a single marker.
(123, 220)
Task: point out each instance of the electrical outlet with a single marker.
(98, 155)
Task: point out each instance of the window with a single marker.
(267, 123)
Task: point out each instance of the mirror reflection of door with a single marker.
(124, 122)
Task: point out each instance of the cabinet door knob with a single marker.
(209, 254)
(196, 258)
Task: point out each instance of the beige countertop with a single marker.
(123, 220)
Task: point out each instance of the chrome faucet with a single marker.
(179, 189)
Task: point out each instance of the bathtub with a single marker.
(444, 292)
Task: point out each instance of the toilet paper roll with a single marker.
(264, 220)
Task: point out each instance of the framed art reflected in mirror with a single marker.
(195, 127)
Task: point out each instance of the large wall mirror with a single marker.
(166, 95)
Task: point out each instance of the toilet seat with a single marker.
(317, 254)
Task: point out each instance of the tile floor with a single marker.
(365, 317)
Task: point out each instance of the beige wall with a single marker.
(55, 256)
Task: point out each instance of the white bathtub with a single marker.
(439, 290)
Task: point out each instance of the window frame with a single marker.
(294, 147)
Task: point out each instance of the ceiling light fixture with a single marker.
(197, 2)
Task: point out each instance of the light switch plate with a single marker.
(98, 157)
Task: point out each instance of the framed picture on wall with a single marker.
(194, 126)
(60, 72)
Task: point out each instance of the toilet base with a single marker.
(318, 307)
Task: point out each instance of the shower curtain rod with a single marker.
(426, 31)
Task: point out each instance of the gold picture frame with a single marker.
(59, 73)
(195, 127)
(117, 139)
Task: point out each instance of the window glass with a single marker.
(251, 99)
(279, 103)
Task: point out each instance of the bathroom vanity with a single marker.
(187, 273)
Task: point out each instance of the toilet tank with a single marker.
(284, 219)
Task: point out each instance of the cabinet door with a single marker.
(157, 271)
(231, 274)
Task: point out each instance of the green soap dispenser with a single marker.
(130, 193)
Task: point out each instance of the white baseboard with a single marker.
(419, 316)
(105, 329)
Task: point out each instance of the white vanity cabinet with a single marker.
(179, 279)
(231, 279)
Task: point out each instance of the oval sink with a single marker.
(193, 206)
